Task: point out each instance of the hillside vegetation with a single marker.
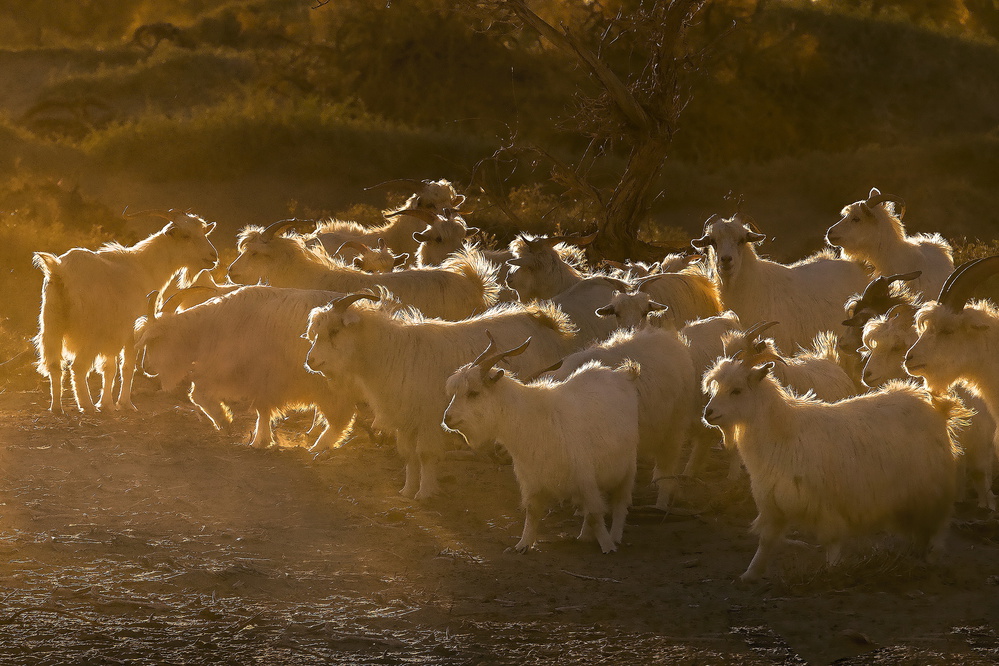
(255, 110)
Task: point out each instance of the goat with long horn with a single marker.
(571, 440)
(959, 340)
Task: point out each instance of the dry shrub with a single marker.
(46, 215)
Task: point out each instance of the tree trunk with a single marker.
(629, 205)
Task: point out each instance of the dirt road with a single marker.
(150, 538)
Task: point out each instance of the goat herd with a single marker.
(844, 391)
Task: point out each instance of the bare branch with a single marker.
(568, 42)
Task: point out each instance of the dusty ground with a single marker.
(149, 538)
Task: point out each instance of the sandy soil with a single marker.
(150, 538)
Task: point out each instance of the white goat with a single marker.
(886, 339)
(433, 196)
(247, 346)
(182, 294)
(539, 270)
(879, 461)
(816, 370)
(687, 296)
(806, 297)
(880, 296)
(704, 340)
(378, 259)
(581, 302)
(91, 299)
(444, 235)
(872, 231)
(401, 361)
(668, 406)
(960, 340)
(574, 439)
(462, 287)
(671, 263)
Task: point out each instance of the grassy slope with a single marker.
(804, 112)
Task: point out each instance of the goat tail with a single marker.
(826, 345)
(46, 262)
(473, 266)
(631, 369)
(958, 417)
(53, 317)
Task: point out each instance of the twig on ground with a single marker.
(602, 580)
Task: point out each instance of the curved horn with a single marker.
(342, 303)
(400, 184)
(156, 212)
(758, 329)
(876, 289)
(904, 276)
(642, 281)
(272, 230)
(353, 245)
(578, 241)
(958, 287)
(486, 362)
(691, 258)
(705, 240)
(879, 198)
(182, 292)
(487, 350)
(768, 355)
(551, 368)
(755, 235)
(880, 288)
(151, 304)
(427, 216)
(620, 285)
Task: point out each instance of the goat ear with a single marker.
(350, 317)
(702, 242)
(875, 192)
(400, 259)
(756, 375)
(471, 231)
(493, 377)
(605, 311)
(357, 262)
(865, 209)
(754, 237)
(420, 236)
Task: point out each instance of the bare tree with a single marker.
(640, 65)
